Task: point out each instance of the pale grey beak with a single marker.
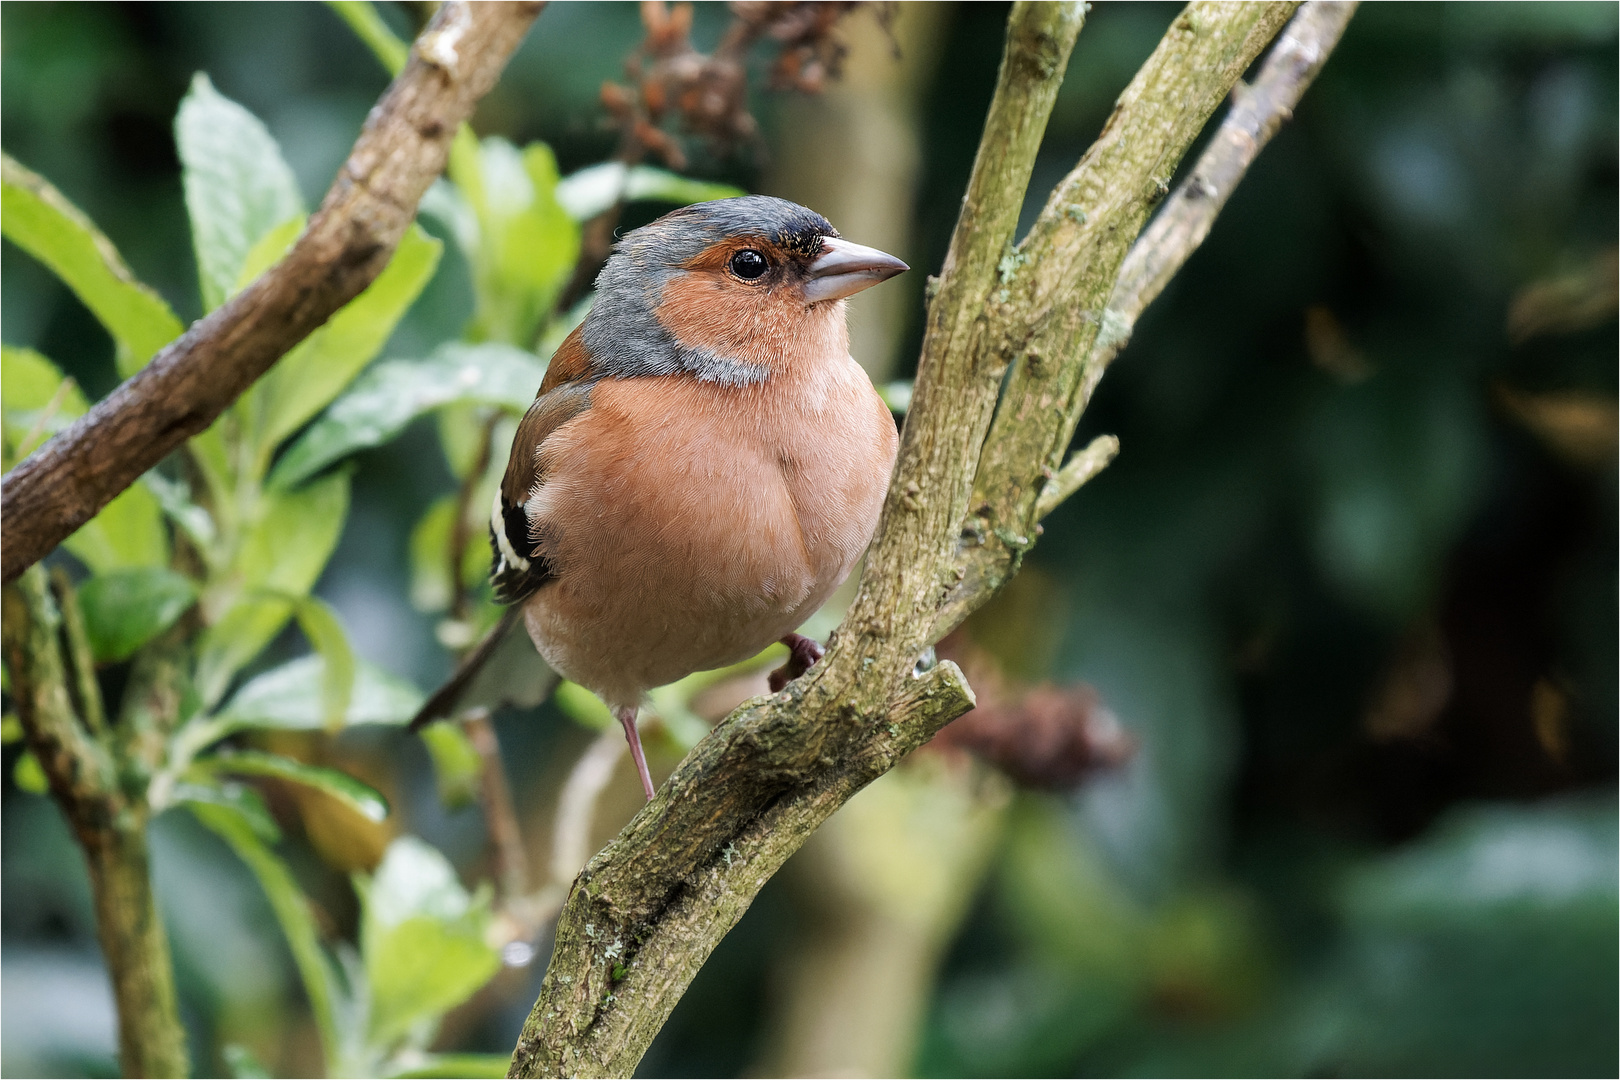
(844, 269)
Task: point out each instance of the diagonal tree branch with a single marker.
(645, 912)
(348, 241)
(992, 544)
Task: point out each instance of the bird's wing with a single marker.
(516, 570)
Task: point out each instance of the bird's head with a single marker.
(729, 291)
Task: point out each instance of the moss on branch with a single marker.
(976, 471)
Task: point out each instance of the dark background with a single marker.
(1351, 582)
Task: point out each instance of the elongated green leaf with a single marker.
(292, 911)
(591, 190)
(308, 378)
(341, 786)
(243, 800)
(290, 698)
(457, 767)
(128, 533)
(40, 220)
(368, 26)
(527, 243)
(36, 400)
(175, 500)
(124, 609)
(325, 632)
(282, 555)
(430, 555)
(452, 1065)
(391, 394)
(422, 937)
(129, 530)
(29, 381)
(237, 185)
(267, 251)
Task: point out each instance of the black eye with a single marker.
(749, 264)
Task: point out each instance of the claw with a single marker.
(803, 652)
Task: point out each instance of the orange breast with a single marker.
(690, 525)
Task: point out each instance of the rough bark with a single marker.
(972, 480)
(49, 662)
(347, 243)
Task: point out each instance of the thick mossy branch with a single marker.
(401, 150)
(972, 479)
(645, 914)
(49, 663)
(1051, 314)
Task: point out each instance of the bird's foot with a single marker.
(803, 652)
(627, 720)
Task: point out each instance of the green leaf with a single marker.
(591, 190)
(240, 798)
(423, 939)
(582, 706)
(10, 729)
(292, 911)
(430, 554)
(368, 26)
(28, 382)
(40, 220)
(128, 533)
(28, 776)
(341, 786)
(243, 1063)
(456, 765)
(174, 498)
(391, 394)
(307, 379)
(290, 698)
(283, 552)
(325, 632)
(237, 185)
(268, 251)
(124, 609)
(527, 243)
(34, 395)
(36, 400)
(453, 1065)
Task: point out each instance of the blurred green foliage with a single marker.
(1351, 583)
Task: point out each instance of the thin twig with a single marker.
(1258, 111)
(576, 805)
(345, 246)
(1081, 467)
(495, 794)
(82, 668)
(1184, 221)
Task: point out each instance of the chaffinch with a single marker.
(704, 463)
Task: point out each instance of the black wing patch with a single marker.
(514, 573)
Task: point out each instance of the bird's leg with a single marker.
(627, 720)
(802, 653)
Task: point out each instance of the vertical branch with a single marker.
(1051, 307)
(110, 825)
(960, 371)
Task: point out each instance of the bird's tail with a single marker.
(444, 699)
